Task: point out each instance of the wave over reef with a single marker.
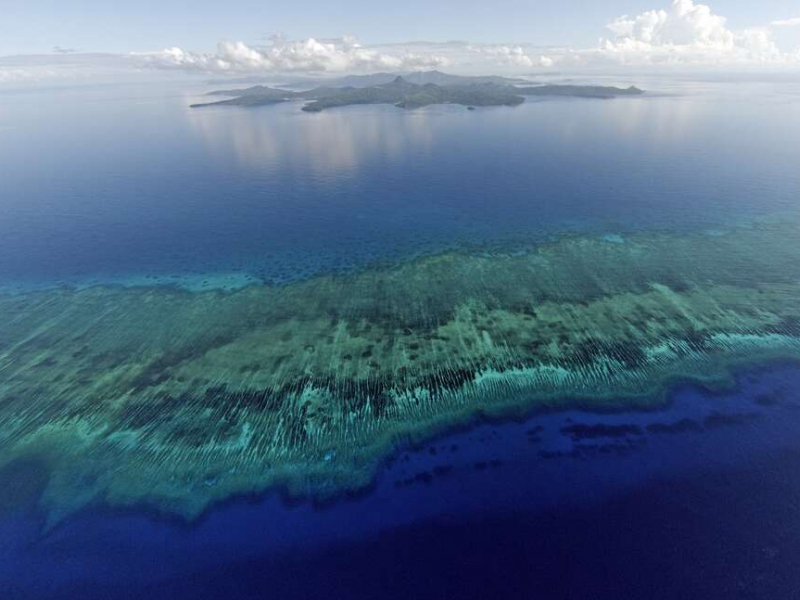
(175, 399)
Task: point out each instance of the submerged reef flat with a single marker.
(177, 399)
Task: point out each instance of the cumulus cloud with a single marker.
(795, 22)
(687, 32)
(308, 56)
(514, 55)
(684, 24)
(683, 32)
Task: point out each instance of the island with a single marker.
(359, 81)
(405, 93)
(417, 77)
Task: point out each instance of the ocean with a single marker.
(117, 182)
(123, 189)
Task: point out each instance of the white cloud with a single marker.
(688, 33)
(795, 22)
(8, 75)
(61, 67)
(685, 24)
(308, 56)
(513, 55)
(683, 32)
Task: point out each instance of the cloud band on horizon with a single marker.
(683, 34)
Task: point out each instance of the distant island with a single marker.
(417, 77)
(362, 81)
(413, 91)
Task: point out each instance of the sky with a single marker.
(323, 36)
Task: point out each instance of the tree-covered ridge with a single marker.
(401, 92)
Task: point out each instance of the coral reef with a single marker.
(178, 399)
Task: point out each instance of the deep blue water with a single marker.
(120, 183)
(123, 182)
(648, 506)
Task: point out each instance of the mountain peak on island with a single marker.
(399, 83)
(416, 90)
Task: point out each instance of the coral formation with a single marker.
(178, 399)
